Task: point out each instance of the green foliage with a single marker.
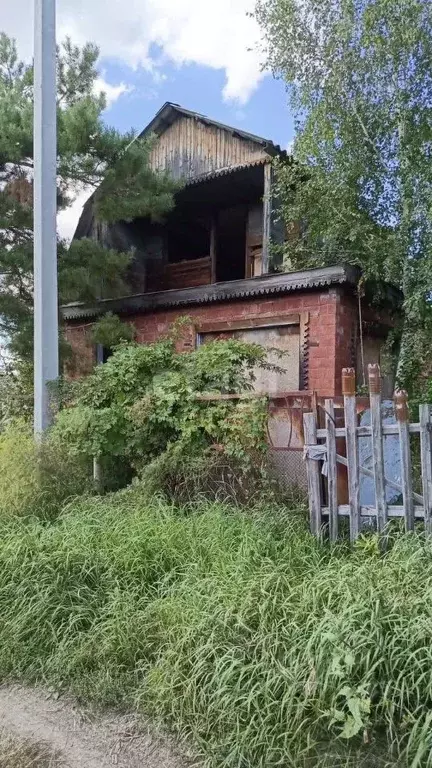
(131, 187)
(110, 331)
(36, 480)
(16, 393)
(88, 153)
(359, 78)
(225, 472)
(147, 400)
(242, 632)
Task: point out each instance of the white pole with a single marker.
(46, 363)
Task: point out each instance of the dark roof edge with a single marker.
(266, 285)
(160, 121)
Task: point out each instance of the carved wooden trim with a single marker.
(304, 349)
(213, 326)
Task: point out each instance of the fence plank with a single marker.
(377, 445)
(393, 510)
(348, 388)
(332, 471)
(401, 412)
(387, 429)
(313, 474)
(426, 463)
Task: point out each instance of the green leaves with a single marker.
(131, 189)
(110, 331)
(354, 716)
(359, 76)
(146, 400)
(89, 152)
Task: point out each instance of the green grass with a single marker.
(37, 479)
(238, 630)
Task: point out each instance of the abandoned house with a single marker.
(211, 260)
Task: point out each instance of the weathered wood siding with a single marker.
(255, 223)
(189, 148)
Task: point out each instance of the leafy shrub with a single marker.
(212, 473)
(110, 331)
(147, 401)
(16, 392)
(36, 480)
(241, 631)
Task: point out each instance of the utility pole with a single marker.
(46, 357)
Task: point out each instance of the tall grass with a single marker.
(37, 480)
(240, 631)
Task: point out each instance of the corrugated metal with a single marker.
(190, 149)
(266, 285)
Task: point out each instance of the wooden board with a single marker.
(313, 475)
(332, 471)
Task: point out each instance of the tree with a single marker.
(359, 75)
(90, 154)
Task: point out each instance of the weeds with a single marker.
(37, 479)
(241, 631)
(15, 753)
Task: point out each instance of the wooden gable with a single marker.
(190, 148)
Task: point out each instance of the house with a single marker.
(211, 260)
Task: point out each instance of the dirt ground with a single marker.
(38, 729)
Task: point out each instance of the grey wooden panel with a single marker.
(394, 511)
(353, 464)
(387, 429)
(313, 475)
(267, 208)
(406, 474)
(378, 460)
(332, 471)
(426, 462)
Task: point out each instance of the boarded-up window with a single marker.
(283, 344)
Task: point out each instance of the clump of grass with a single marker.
(16, 753)
(240, 631)
(36, 480)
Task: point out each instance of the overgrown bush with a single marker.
(212, 473)
(242, 632)
(37, 480)
(149, 404)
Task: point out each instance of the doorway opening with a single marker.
(231, 243)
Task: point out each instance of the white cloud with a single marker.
(67, 220)
(218, 35)
(112, 92)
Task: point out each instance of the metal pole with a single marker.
(46, 362)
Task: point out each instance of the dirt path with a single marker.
(79, 738)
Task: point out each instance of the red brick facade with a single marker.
(328, 321)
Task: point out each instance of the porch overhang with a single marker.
(265, 285)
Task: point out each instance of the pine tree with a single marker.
(90, 155)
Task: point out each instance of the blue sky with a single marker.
(205, 56)
(198, 88)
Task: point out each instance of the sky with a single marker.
(200, 54)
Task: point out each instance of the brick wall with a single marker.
(328, 320)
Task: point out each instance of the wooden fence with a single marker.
(324, 453)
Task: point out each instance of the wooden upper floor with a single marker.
(223, 222)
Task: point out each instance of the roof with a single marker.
(166, 116)
(170, 112)
(266, 285)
